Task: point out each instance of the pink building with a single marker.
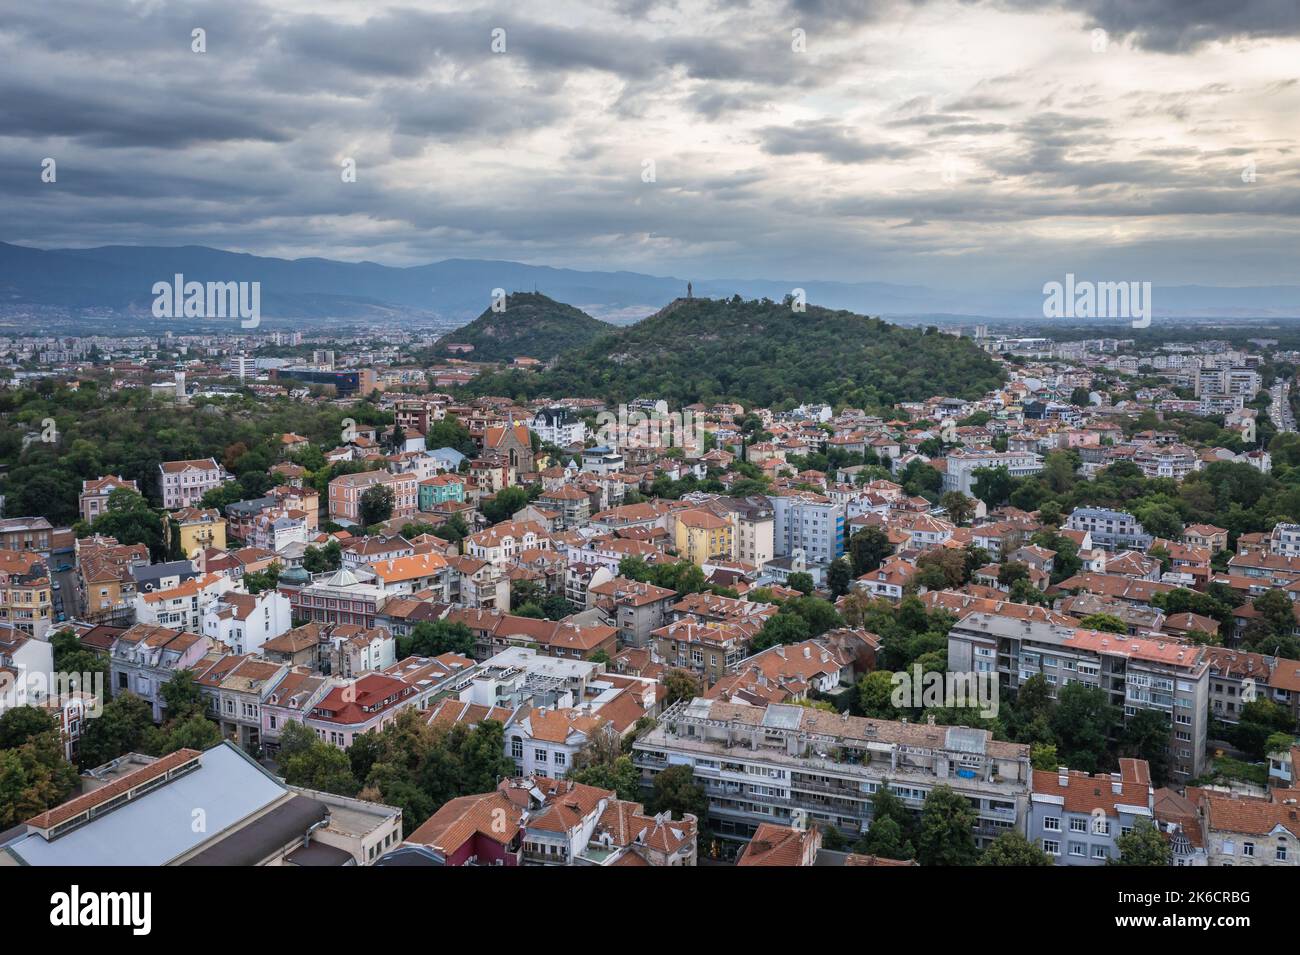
(183, 483)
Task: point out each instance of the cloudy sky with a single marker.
(971, 144)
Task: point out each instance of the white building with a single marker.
(182, 607)
(246, 621)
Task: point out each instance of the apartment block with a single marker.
(1137, 673)
(766, 764)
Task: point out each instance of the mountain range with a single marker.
(118, 280)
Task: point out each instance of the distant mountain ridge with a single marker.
(120, 278)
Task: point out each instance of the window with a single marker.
(560, 759)
(516, 747)
(1051, 847)
(1078, 825)
(1248, 849)
(539, 755)
(1281, 851)
(1099, 852)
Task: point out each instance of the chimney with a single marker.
(1063, 775)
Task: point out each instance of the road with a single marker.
(1280, 410)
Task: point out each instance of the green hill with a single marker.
(760, 352)
(531, 326)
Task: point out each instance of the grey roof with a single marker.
(145, 573)
(266, 834)
(965, 739)
(782, 716)
(159, 826)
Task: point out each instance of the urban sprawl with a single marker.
(338, 609)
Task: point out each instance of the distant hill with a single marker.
(759, 351)
(117, 281)
(531, 325)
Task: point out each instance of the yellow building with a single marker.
(25, 593)
(703, 537)
(200, 529)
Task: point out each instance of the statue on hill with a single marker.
(688, 290)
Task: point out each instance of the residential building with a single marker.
(25, 593)
(764, 764)
(183, 483)
(1110, 529)
(702, 537)
(198, 530)
(93, 499)
(1077, 819)
(145, 657)
(245, 622)
(1137, 673)
(961, 465)
(346, 491)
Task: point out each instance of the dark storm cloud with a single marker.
(1180, 25)
(827, 160)
(830, 140)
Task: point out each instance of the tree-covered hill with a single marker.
(531, 326)
(760, 352)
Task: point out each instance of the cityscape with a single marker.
(636, 434)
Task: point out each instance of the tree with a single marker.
(802, 582)
(431, 638)
(322, 767)
(1011, 848)
(119, 729)
(1011, 572)
(255, 582)
(820, 615)
(1082, 722)
(945, 834)
(867, 549)
(783, 628)
(1144, 845)
(72, 658)
(942, 569)
(680, 685)
(295, 738)
(875, 694)
(674, 790)
(960, 508)
(33, 777)
(840, 577)
(20, 724)
(1043, 756)
(503, 505)
(890, 833)
(193, 732)
(376, 505)
(1146, 736)
(993, 485)
(181, 696)
(1258, 721)
(621, 775)
(1107, 623)
(319, 560)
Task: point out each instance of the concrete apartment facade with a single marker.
(775, 763)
